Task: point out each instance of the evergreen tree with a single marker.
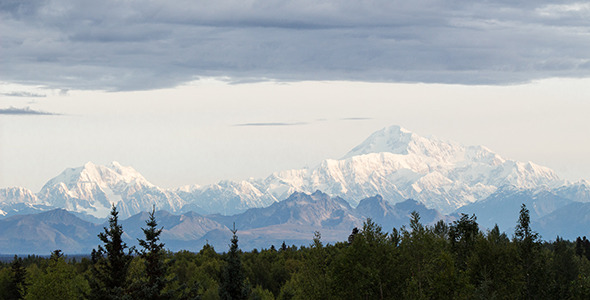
(427, 265)
(352, 235)
(259, 293)
(528, 244)
(17, 287)
(462, 234)
(362, 269)
(494, 267)
(313, 281)
(564, 268)
(111, 263)
(395, 237)
(441, 229)
(583, 247)
(153, 255)
(232, 285)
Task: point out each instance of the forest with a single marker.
(454, 260)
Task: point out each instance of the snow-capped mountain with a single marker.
(393, 162)
(19, 200)
(13, 195)
(93, 189)
(578, 191)
(225, 197)
(399, 165)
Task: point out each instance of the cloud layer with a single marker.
(134, 45)
(24, 111)
(23, 94)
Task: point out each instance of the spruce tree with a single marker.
(353, 234)
(232, 285)
(153, 254)
(17, 286)
(111, 262)
(462, 235)
(528, 244)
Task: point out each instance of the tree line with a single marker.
(444, 261)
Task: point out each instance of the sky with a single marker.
(192, 92)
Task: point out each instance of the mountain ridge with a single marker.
(393, 162)
(293, 220)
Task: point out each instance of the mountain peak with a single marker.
(97, 174)
(127, 173)
(17, 195)
(393, 139)
(94, 188)
(398, 140)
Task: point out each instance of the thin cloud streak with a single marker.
(24, 94)
(271, 124)
(26, 111)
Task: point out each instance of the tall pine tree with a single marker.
(111, 263)
(462, 235)
(232, 285)
(17, 287)
(529, 245)
(153, 255)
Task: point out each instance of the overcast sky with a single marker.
(196, 91)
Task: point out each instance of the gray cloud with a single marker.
(23, 94)
(24, 111)
(136, 45)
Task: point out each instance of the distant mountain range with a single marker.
(292, 221)
(393, 162)
(396, 164)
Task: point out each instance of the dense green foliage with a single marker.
(443, 261)
(59, 281)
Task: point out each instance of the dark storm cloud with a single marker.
(24, 111)
(131, 45)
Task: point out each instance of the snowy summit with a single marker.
(392, 162)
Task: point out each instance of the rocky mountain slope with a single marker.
(44, 232)
(292, 221)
